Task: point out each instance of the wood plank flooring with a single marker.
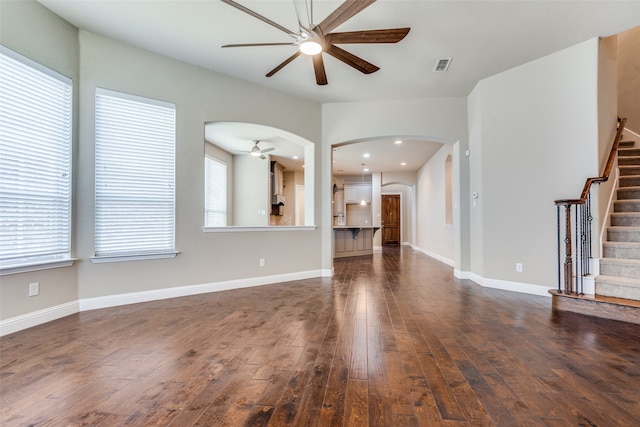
(391, 340)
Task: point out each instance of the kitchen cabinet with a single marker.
(353, 241)
(354, 194)
(338, 203)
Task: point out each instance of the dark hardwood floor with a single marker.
(390, 340)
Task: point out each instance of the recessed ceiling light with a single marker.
(366, 169)
(397, 141)
(403, 164)
(295, 157)
(366, 155)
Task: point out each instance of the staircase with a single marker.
(620, 265)
(617, 288)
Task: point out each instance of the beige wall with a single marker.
(628, 77)
(200, 96)
(21, 25)
(434, 236)
(533, 140)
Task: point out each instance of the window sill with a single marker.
(234, 229)
(44, 265)
(137, 257)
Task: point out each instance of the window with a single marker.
(215, 192)
(135, 177)
(35, 163)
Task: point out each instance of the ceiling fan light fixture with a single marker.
(310, 47)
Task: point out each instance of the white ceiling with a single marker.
(483, 37)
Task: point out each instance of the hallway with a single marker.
(390, 340)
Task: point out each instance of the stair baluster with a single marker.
(580, 240)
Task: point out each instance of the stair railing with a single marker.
(576, 239)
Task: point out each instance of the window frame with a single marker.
(222, 185)
(59, 196)
(115, 249)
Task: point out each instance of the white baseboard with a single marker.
(436, 256)
(506, 285)
(35, 318)
(18, 323)
(181, 291)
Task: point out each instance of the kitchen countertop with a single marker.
(354, 226)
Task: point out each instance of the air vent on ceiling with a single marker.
(442, 64)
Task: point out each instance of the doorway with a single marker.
(390, 219)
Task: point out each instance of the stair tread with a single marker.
(623, 228)
(630, 188)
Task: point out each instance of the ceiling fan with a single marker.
(313, 40)
(256, 151)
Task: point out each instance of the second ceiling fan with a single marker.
(313, 40)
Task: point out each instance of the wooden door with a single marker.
(391, 219)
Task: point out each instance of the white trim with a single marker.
(24, 321)
(141, 257)
(435, 256)
(236, 229)
(607, 215)
(377, 248)
(589, 285)
(464, 275)
(180, 291)
(507, 285)
(44, 265)
(18, 323)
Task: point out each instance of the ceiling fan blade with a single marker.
(303, 13)
(390, 35)
(352, 60)
(257, 44)
(318, 67)
(285, 62)
(346, 10)
(266, 150)
(258, 16)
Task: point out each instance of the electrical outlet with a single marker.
(262, 262)
(519, 267)
(34, 289)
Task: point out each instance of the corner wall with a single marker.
(533, 135)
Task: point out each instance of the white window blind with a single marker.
(215, 193)
(135, 175)
(35, 162)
